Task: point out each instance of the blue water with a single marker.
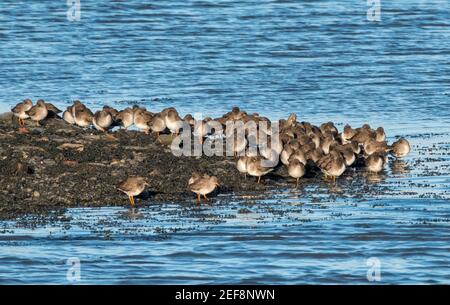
(321, 59)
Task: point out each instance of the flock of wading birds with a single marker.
(300, 144)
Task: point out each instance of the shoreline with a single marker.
(58, 166)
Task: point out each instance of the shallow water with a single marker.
(324, 61)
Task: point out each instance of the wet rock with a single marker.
(165, 139)
(6, 118)
(77, 147)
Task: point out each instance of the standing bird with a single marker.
(316, 139)
(400, 148)
(173, 121)
(82, 115)
(347, 153)
(291, 120)
(143, 119)
(158, 124)
(298, 155)
(112, 111)
(328, 128)
(256, 168)
(68, 116)
(347, 134)
(364, 134)
(371, 146)
(77, 106)
(188, 118)
(375, 162)
(38, 112)
(354, 146)
(328, 141)
(380, 135)
(296, 169)
(202, 185)
(20, 111)
(102, 120)
(332, 165)
(132, 186)
(125, 117)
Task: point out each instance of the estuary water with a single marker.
(323, 60)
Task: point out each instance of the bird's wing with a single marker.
(87, 110)
(197, 185)
(125, 185)
(17, 108)
(52, 108)
(32, 111)
(324, 162)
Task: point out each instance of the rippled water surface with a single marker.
(321, 59)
